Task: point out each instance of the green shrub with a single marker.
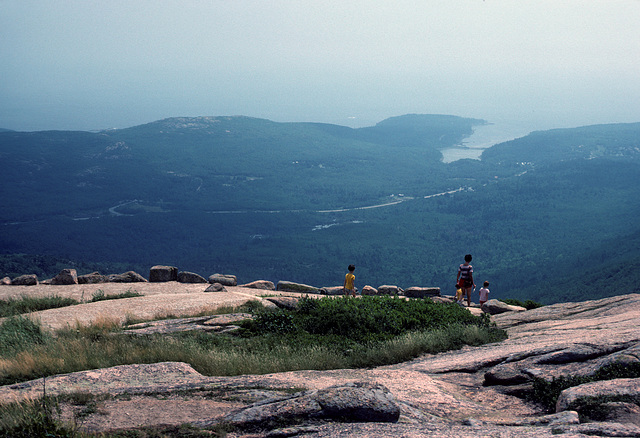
(363, 320)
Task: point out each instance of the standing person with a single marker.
(465, 274)
(484, 293)
(349, 280)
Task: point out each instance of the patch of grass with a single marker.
(26, 304)
(19, 333)
(324, 334)
(547, 392)
(34, 419)
(99, 295)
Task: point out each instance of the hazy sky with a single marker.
(117, 63)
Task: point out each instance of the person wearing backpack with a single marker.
(465, 278)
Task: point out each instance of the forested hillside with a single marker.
(550, 216)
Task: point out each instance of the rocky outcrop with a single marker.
(190, 277)
(352, 402)
(466, 393)
(25, 280)
(289, 286)
(127, 277)
(216, 323)
(422, 292)
(260, 284)
(584, 396)
(65, 277)
(496, 307)
(223, 279)
(93, 278)
(162, 274)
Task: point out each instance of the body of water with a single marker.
(485, 136)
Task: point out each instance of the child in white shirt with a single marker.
(484, 293)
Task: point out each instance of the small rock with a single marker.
(369, 290)
(127, 277)
(495, 307)
(260, 284)
(190, 277)
(162, 274)
(332, 290)
(215, 287)
(6, 281)
(25, 280)
(288, 303)
(225, 280)
(422, 292)
(289, 286)
(66, 276)
(389, 290)
(93, 278)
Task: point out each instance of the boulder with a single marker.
(389, 290)
(369, 290)
(289, 286)
(260, 284)
(25, 280)
(332, 290)
(620, 412)
(576, 397)
(288, 303)
(93, 278)
(495, 307)
(215, 287)
(6, 281)
(225, 280)
(126, 277)
(422, 292)
(351, 402)
(66, 276)
(190, 277)
(162, 274)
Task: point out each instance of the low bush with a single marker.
(362, 320)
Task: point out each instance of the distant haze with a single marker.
(84, 65)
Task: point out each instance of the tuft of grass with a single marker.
(19, 333)
(99, 295)
(27, 304)
(34, 419)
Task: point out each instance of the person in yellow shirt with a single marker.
(349, 279)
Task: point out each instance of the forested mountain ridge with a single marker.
(289, 201)
(221, 163)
